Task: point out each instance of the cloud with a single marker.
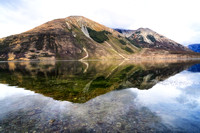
(177, 20)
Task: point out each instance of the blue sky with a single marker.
(176, 19)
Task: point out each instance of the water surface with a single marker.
(114, 96)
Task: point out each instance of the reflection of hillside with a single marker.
(145, 79)
(81, 81)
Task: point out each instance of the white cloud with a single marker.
(176, 19)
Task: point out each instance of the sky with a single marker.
(178, 20)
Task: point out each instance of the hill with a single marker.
(79, 38)
(147, 38)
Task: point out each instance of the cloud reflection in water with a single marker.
(176, 100)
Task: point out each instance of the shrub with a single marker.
(128, 50)
(122, 42)
(98, 36)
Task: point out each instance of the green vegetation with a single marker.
(100, 82)
(128, 50)
(125, 71)
(98, 36)
(128, 68)
(122, 42)
(151, 38)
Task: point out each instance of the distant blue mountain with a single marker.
(194, 68)
(194, 47)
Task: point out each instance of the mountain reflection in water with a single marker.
(81, 81)
(148, 97)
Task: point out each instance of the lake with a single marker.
(100, 96)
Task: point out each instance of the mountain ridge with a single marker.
(148, 38)
(77, 38)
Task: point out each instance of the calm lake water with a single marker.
(97, 96)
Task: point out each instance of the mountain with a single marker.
(79, 38)
(194, 47)
(125, 32)
(147, 38)
(74, 37)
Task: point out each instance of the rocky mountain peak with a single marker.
(83, 22)
(148, 35)
(148, 38)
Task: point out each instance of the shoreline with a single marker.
(151, 60)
